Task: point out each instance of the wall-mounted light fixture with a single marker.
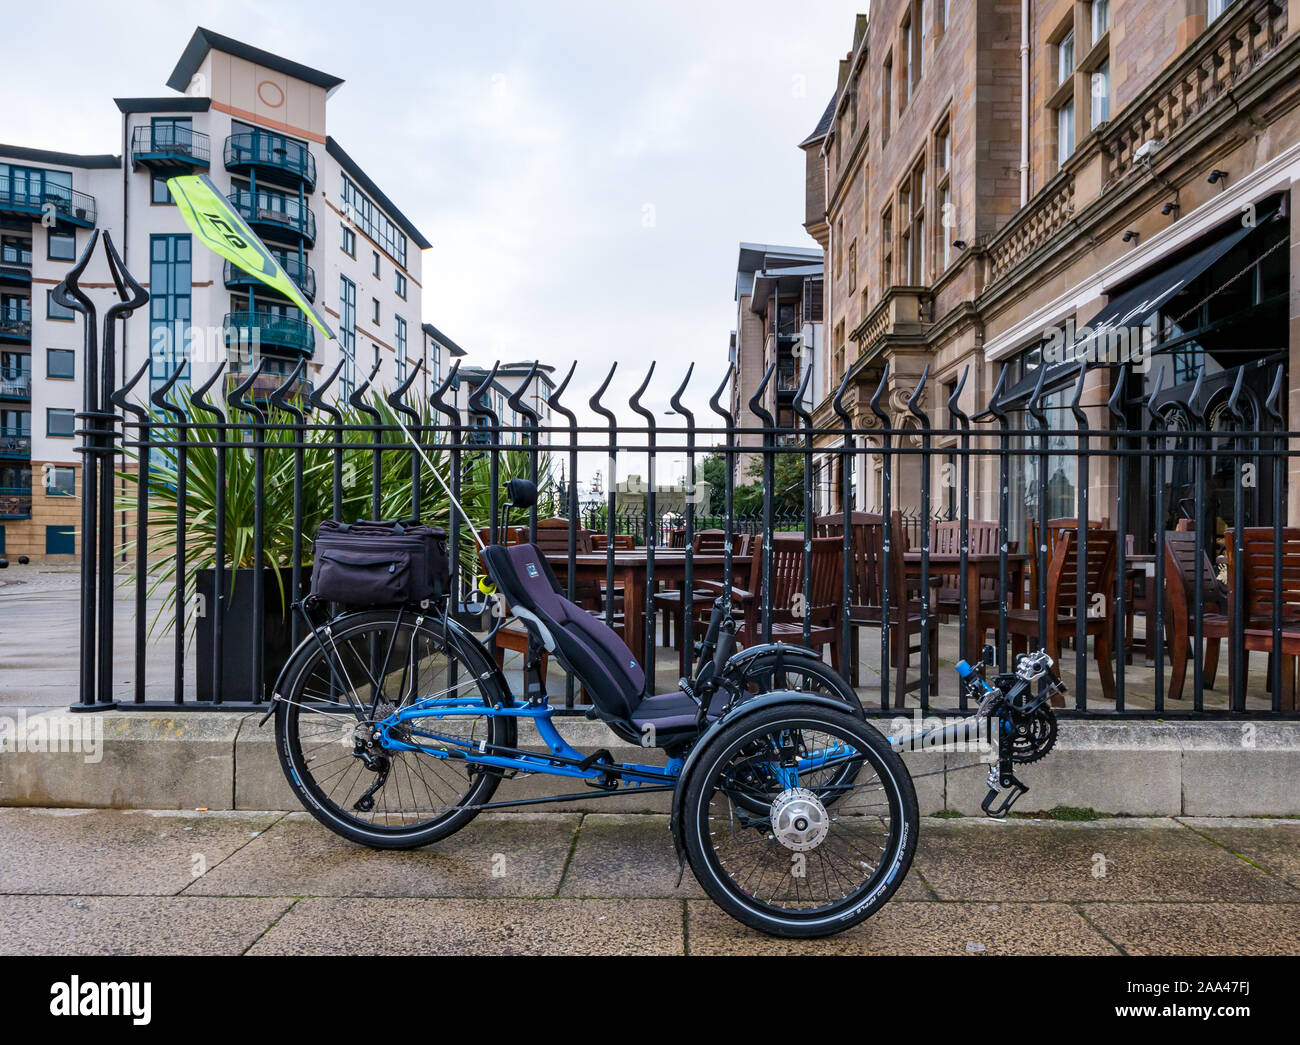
(1217, 176)
(1130, 235)
(1170, 208)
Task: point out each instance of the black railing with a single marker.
(272, 154)
(298, 271)
(170, 143)
(16, 321)
(271, 212)
(37, 199)
(249, 332)
(1136, 609)
(15, 502)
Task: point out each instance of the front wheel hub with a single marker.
(799, 820)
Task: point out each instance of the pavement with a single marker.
(83, 881)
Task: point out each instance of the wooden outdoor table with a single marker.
(977, 567)
(630, 575)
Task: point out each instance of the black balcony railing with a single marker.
(16, 321)
(15, 384)
(280, 216)
(31, 198)
(252, 332)
(15, 502)
(15, 442)
(169, 146)
(274, 157)
(298, 271)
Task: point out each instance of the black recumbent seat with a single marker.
(586, 645)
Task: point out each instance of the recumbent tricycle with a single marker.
(395, 728)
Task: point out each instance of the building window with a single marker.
(376, 264)
(1065, 57)
(917, 267)
(373, 222)
(1218, 7)
(53, 310)
(59, 480)
(399, 346)
(941, 17)
(923, 38)
(60, 423)
(61, 244)
(1099, 90)
(853, 267)
(886, 249)
(15, 250)
(946, 223)
(169, 308)
(348, 335)
(886, 91)
(348, 241)
(60, 540)
(159, 193)
(401, 285)
(374, 311)
(906, 45)
(1100, 15)
(60, 363)
(1064, 132)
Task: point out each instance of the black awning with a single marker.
(1129, 309)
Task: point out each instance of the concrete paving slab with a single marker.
(425, 926)
(117, 852)
(914, 928)
(626, 855)
(114, 925)
(1199, 928)
(498, 854)
(1135, 859)
(1272, 844)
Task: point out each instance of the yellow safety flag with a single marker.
(220, 228)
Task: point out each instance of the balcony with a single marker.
(16, 322)
(30, 200)
(278, 216)
(15, 384)
(273, 158)
(266, 384)
(169, 149)
(15, 502)
(15, 442)
(255, 332)
(299, 271)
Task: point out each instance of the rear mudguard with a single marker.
(791, 655)
(786, 698)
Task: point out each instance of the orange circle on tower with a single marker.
(275, 92)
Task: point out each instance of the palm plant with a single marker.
(343, 452)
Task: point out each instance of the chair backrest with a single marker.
(1260, 570)
(714, 542)
(866, 548)
(1063, 578)
(622, 542)
(506, 535)
(981, 537)
(826, 583)
(553, 537)
(1180, 570)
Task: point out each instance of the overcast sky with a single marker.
(584, 170)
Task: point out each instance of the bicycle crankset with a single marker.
(1033, 735)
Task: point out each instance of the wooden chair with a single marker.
(1260, 573)
(867, 573)
(1055, 527)
(945, 539)
(1180, 612)
(1061, 589)
(785, 596)
(623, 542)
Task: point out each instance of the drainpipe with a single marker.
(1024, 102)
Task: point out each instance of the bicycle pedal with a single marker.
(1012, 796)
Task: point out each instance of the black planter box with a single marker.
(237, 632)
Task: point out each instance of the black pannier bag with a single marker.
(379, 563)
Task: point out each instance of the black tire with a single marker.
(726, 853)
(424, 797)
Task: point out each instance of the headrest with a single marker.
(522, 493)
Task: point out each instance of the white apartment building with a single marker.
(256, 123)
